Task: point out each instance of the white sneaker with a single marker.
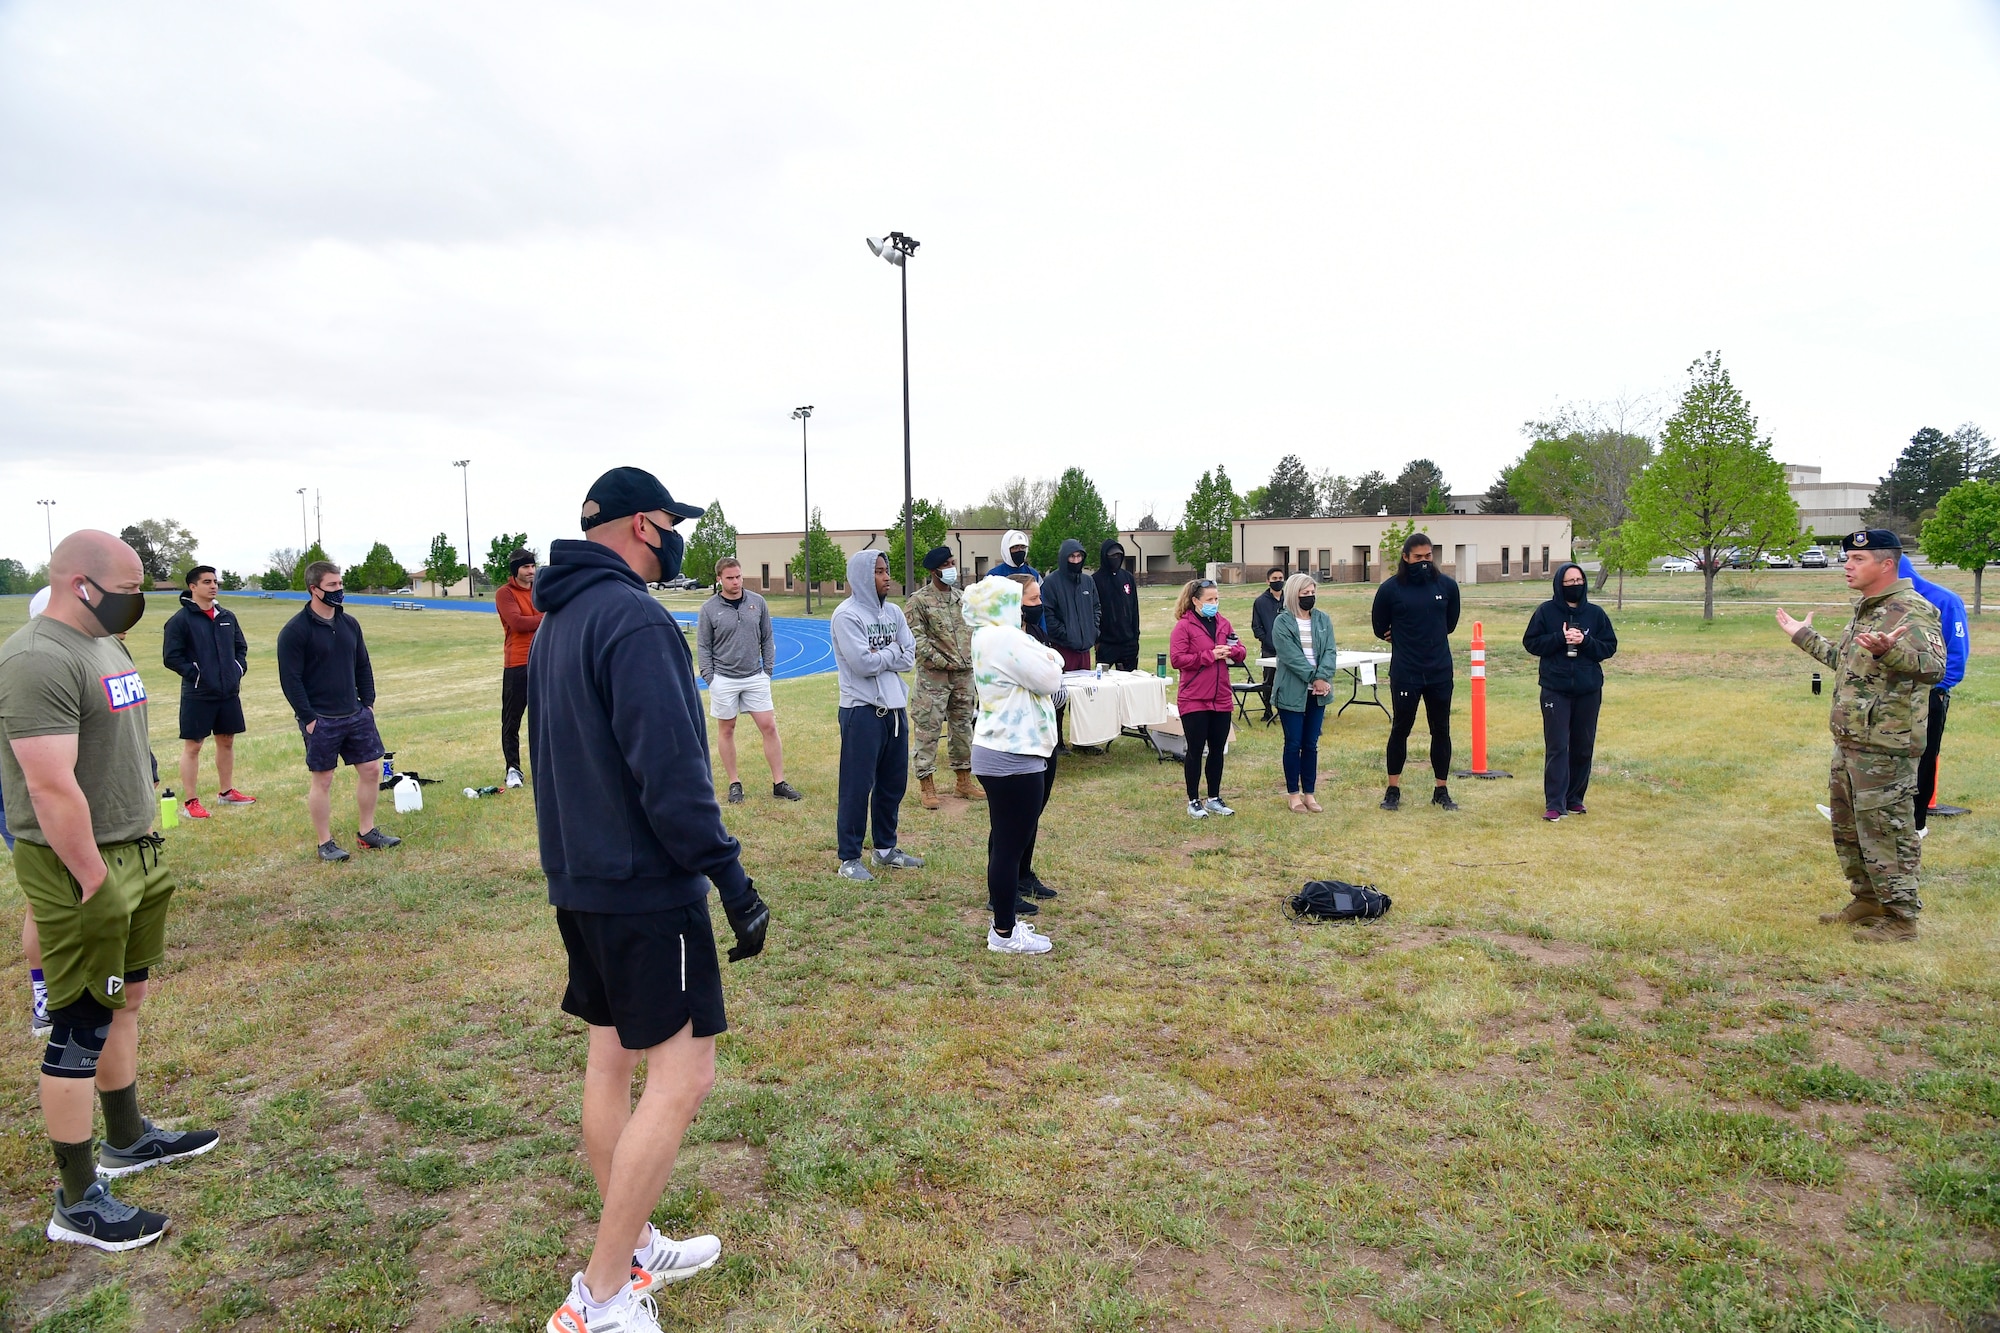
(1025, 939)
(663, 1259)
(1214, 806)
(1923, 832)
(1197, 809)
(514, 778)
(630, 1311)
(1825, 812)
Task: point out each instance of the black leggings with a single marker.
(1205, 729)
(1014, 813)
(1437, 706)
(1927, 766)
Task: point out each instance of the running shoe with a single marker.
(1825, 812)
(630, 1311)
(1441, 798)
(154, 1147)
(897, 859)
(1033, 887)
(1552, 814)
(785, 791)
(376, 840)
(664, 1260)
(856, 870)
(1197, 809)
(1214, 806)
(1024, 939)
(1924, 832)
(1392, 799)
(1025, 906)
(103, 1222)
(1576, 808)
(736, 793)
(38, 1010)
(235, 797)
(332, 851)
(514, 779)
(193, 808)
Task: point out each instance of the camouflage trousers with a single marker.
(1873, 799)
(943, 698)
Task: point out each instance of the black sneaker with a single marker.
(1024, 906)
(1441, 798)
(152, 1148)
(1034, 888)
(1393, 799)
(99, 1220)
(332, 851)
(785, 791)
(736, 793)
(376, 840)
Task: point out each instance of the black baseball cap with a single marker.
(1871, 539)
(624, 491)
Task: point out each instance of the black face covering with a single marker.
(668, 552)
(1278, 587)
(1018, 556)
(1421, 570)
(116, 611)
(332, 597)
(1031, 617)
(1114, 561)
(1307, 601)
(1573, 593)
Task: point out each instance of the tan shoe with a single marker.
(969, 789)
(1298, 802)
(1311, 804)
(927, 793)
(1888, 930)
(1858, 910)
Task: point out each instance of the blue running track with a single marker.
(804, 647)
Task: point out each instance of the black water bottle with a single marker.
(1571, 650)
(1815, 682)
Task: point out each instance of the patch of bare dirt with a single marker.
(1236, 1286)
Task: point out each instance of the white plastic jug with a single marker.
(409, 795)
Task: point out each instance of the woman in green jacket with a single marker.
(1303, 637)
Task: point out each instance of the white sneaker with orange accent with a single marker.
(630, 1311)
(663, 1260)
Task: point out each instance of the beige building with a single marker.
(1826, 507)
(1472, 548)
(766, 556)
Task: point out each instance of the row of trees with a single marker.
(380, 571)
(1294, 491)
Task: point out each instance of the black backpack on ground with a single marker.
(1336, 900)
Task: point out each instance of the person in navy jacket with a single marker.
(1957, 646)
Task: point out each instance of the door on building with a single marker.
(1325, 563)
(1361, 554)
(1281, 556)
(978, 568)
(1466, 557)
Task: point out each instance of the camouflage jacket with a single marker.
(944, 640)
(1883, 703)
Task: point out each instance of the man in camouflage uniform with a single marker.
(1890, 655)
(944, 694)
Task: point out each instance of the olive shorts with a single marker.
(91, 948)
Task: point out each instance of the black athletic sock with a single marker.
(122, 1122)
(77, 1163)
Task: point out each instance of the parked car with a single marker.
(1812, 558)
(1779, 562)
(1678, 565)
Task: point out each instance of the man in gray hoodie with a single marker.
(871, 644)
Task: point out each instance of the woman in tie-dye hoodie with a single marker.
(1013, 745)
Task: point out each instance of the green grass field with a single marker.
(1607, 1073)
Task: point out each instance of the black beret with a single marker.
(936, 556)
(1873, 539)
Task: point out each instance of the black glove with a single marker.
(750, 919)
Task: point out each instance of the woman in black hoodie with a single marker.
(1573, 638)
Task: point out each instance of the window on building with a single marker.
(978, 568)
(766, 575)
(1503, 561)
(1325, 563)
(1545, 560)
(1527, 560)
(1305, 560)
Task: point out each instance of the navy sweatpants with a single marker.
(874, 774)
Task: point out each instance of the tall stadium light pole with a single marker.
(466, 475)
(49, 524)
(304, 542)
(897, 248)
(802, 415)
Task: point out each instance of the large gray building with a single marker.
(1826, 508)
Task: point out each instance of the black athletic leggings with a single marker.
(1205, 729)
(1437, 707)
(1927, 766)
(1014, 811)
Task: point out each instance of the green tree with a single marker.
(282, 562)
(497, 551)
(441, 565)
(1714, 484)
(1015, 503)
(932, 521)
(1499, 497)
(1581, 465)
(379, 570)
(1966, 531)
(829, 562)
(1929, 466)
(229, 581)
(1206, 534)
(1437, 502)
(13, 577)
(1390, 547)
(306, 557)
(1075, 510)
(713, 538)
(1414, 484)
(1290, 493)
(274, 580)
(165, 548)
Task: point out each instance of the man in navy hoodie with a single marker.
(631, 840)
(1957, 645)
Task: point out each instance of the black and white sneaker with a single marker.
(736, 793)
(99, 1220)
(332, 851)
(897, 859)
(785, 791)
(514, 779)
(376, 840)
(154, 1147)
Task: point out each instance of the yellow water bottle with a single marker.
(170, 813)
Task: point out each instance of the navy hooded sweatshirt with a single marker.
(624, 796)
(1561, 673)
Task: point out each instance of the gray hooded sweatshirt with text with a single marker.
(871, 641)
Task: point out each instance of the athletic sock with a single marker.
(77, 1163)
(122, 1122)
(39, 987)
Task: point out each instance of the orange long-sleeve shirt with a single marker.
(518, 614)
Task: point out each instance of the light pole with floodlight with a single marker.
(49, 523)
(896, 249)
(304, 543)
(802, 415)
(466, 464)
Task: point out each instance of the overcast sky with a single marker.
(246, 248)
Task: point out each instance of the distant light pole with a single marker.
(49, 523)
(466, 475)
(897, 248)
(303, 541)
(802, 415)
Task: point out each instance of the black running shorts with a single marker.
(202, 718)
(647, 974)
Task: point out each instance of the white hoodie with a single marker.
(1017, 678)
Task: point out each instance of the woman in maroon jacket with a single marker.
(1202, 648)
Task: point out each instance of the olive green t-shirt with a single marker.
(56, 681)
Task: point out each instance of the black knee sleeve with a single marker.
(77, 1033)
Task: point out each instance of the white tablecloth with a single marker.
(1100, 706)
(1362, 665)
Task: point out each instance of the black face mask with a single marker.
(333, 597)
(668, 552)
(1307, 601)
(1278, 589)
(1018, 556)
(1031, 617)
(1114, 561)
(116, 611)
(1420, 570)
(1573, 593)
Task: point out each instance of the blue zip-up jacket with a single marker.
(1951, 615)
(624, 796)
